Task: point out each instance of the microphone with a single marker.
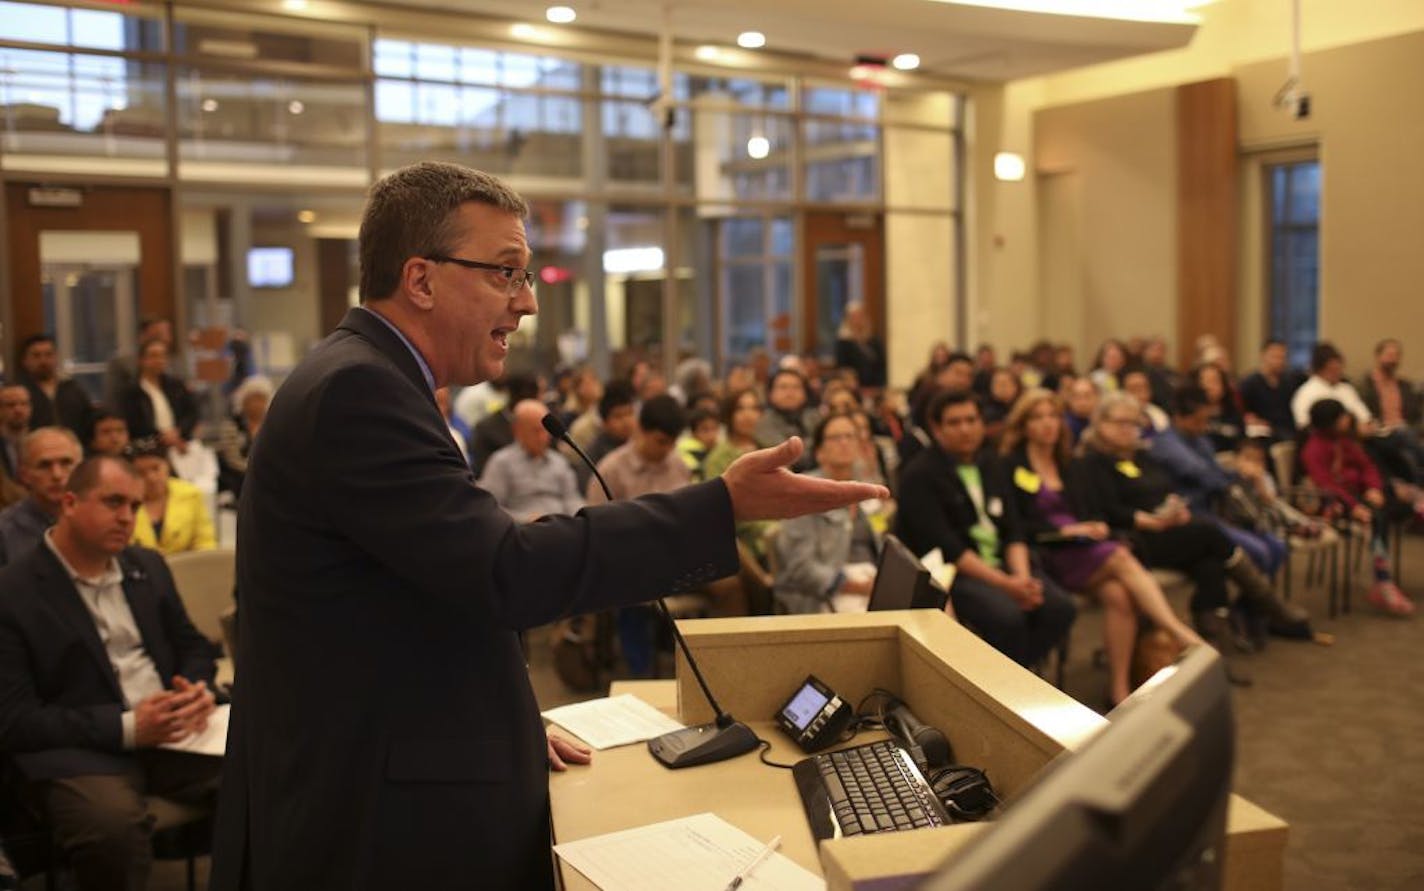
(927, 744)
(725, 737)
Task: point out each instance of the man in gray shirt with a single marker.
(527, 477)
(47, 456)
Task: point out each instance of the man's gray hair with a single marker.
(28, 443)
(411, 213)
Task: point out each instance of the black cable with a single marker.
(765, 746)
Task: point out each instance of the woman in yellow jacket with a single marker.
(174, 516)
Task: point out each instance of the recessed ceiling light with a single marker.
(1009, 167)
(306, 216)
(860, 72)
(294, 5)
(560, 15)
(708, 53)
(296, 106)
(906, 61)
(758, 147)
(524, 31)
(210, 105)
(751, 40)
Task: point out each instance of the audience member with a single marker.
(1256, 503)
(1137, 384)
(1081, 401)
(692, 379)
(787, 413)
(998, 400)
(826, 562)
(1266, 395)
(618, 418)
(952, 498)
(1163, 379)
(1082, 555)
(858, 348)
(582, 402)
(741, 411)
(48, 455)
(109, 434)
(157, 403)
(702, 433)
(1187, 455)
(174, 515)
(497, 430)
(122, 371)
(1108, 366)
(528, 478)
(1327, 381)
(239, 430)
(1338, 466)
(1225, 425)
(84, 732)
(984, 366)
(14, 424)
(648, 463)
(54, 400)
(458, 431)
(1396, 404)
(873, 463)
(739, 377)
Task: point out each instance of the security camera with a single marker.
(1301, 109)
(1293, 99)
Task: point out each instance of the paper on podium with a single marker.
(212, 741)
(612, 721)
(698, 853)
(941, 573)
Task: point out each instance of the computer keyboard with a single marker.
(870, 788)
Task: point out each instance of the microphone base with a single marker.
(703, 744)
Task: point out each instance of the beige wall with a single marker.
(1362, 65)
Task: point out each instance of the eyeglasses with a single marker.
(515, 277)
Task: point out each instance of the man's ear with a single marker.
(417, 285)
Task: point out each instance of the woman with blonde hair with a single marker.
(1080, 555)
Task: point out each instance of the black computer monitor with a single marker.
(902, 582)
(1142, 805)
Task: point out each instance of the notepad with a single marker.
(698, 853)
(212, 741)
(612, 721)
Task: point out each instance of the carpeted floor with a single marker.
(1329, 739)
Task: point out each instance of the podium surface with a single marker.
(995, 714)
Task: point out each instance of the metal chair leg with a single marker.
(1334, 561)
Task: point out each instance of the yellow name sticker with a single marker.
(1129, 469)
(1027, 480)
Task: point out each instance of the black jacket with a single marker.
(60, 700)
(384, 732)
(935, 510)
(138, 408)
(1012, 469)
(1112, 490)
(71, 407)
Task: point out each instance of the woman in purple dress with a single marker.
(1080, 556)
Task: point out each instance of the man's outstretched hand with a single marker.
(763, 487)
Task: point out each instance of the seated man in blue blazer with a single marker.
(952, 498)
(99, 665)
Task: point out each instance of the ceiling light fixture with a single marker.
(906, 61)
(294, 5)
(296, 106)
(708, 53)
(758, 147)
(751, 40)
(560, 15)
(524, 31)
(210, 105)
(306, 216)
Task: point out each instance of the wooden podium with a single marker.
(996, 715)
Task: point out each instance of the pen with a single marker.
(766, 852)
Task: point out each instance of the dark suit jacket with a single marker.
(138, 408)
(935, 509)
(1026, 503)
(489, 436)
(384, 731)
(71, 407)
(1113, 490)
(60, 700)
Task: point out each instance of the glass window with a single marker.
(392, 58)
(248, 38)
(841, 101)
(81, 28)
(1295, 256)
(632, 143)
(756, 285)
(740, 91)
(728, 155)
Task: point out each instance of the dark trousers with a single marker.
(1025, 637)
(101, 821)
(1200, 550)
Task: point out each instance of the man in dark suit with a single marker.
(384, 732)
(952, 497)
(99, 664)
(54, 400)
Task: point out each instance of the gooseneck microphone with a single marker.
(725, 737)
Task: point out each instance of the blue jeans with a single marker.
(1264, 549)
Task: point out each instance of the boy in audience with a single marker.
(618, 420)
(703, 431)
(109, 435)
(646, 464)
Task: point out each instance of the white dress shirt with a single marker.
(1317, 388)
